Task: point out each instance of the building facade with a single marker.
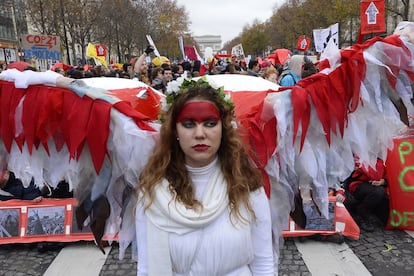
(12, 25)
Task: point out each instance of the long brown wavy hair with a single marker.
(168, 160)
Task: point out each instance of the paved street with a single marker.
(379, 253)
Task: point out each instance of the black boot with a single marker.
(81, 215)
(298, 215)
(365, 223)
(99, 214)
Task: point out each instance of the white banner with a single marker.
(237, 50)
(321, 37)
(10, 55)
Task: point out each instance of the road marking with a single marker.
(411, 233)
(78, 260)
(327, 259)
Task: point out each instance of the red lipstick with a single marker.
(201, 147)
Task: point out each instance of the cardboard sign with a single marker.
(339, 221)
(303, 43)
(101, 50)
(372, 15)
(41, 46)
(400, 174)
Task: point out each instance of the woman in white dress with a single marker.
(202, 209)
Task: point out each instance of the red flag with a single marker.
(101, 50)
(303, 43)
(190, 53)
(372, 13)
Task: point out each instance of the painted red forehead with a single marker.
(199, 111)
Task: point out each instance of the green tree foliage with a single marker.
(255, 38)
(229, 44)
(171, 22)
(301, 18)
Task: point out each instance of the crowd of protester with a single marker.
(157, 72)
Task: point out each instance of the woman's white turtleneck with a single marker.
(200, 176)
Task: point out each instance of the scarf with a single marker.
(166, 215)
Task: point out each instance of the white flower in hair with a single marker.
(183, 84)
(227, 97)
(213, 84)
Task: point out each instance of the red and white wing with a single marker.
(96, 139)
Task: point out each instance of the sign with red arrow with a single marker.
(101, 50)
(372, 13)
(303, 43)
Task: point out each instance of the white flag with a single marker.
(181, 43)
(321, 37)
(151, 42)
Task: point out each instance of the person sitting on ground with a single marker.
(368, 187)
(13, 188)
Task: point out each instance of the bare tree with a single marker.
(121, 25)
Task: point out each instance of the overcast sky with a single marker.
(226, 17)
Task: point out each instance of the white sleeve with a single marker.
(263, 262)
(141, 234)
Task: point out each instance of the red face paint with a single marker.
(199, 111)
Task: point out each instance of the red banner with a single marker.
(303, 43)
(372, 13)
(400, 174)
(101, 50)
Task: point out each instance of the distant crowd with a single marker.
(160, 70)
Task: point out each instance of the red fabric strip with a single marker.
(98, 132)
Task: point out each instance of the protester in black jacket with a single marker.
(12, 188)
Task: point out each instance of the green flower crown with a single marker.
(183, 85)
